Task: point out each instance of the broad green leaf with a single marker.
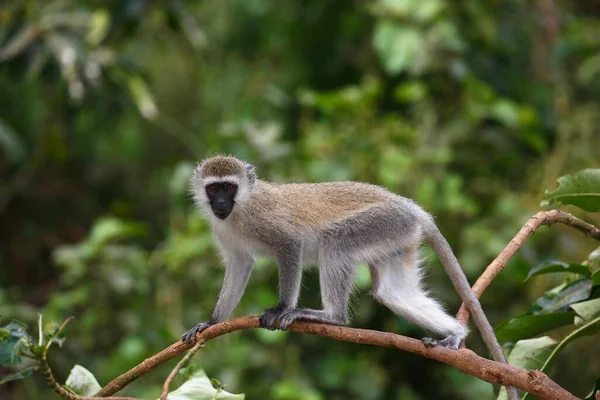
(558, 266)
(199, 387)
(587, 310)
(82, 381)
(17, 375)
(529, 354)
(571, 293)
(532, 353)
(590, 328)
(581, 189)
(527, 326)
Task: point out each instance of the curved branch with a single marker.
(542, 218)
(534, 382)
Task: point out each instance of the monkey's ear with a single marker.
(251, 173)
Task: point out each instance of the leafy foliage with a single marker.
(11, 342)
(581, 189)
(472, 108)
(558, 266)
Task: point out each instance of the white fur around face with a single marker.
(199, 192)
(213, 179)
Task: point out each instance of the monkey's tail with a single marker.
(438, 242)
(442, 249)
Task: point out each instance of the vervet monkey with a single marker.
(335, 225)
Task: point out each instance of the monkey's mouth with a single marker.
(222, 214)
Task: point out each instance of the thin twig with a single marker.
(62, 391)
(534, 382)
(542, 218)
(179, 365)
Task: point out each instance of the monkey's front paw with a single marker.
(271, 315)
(190, 336)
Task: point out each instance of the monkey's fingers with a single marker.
(271, 315)
(190, 336)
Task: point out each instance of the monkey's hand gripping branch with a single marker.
(534, 382)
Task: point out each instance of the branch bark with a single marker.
(542, 218)
(534, 382)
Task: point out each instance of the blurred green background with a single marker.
(472, 108)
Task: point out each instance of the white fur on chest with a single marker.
(230, 238)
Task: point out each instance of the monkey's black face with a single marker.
(221, 196)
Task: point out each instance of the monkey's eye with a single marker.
(212, 189)
(228, 187)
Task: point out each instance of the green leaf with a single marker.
(52, 334)
(11, 343)
(581, 189)
(587, 310)
(532, 353)
(571, 293)
(82, 382)
(396, 45)
(558, 266)
(590, 328)
(527, 326)
(199, 387)
(17, 375)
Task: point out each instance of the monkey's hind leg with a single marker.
(399, 288)
(335, 278)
